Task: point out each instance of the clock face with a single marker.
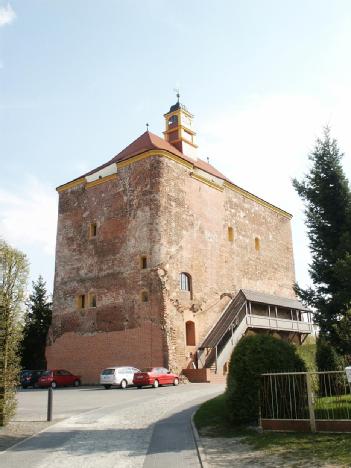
(186, 120)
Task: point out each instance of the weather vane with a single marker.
(177, 91)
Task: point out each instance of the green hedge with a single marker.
(253, 356)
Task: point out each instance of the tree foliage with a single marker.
(326, 193)
(253, 356)
(13, 280)
(36, 325)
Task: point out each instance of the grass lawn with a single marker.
(211, 420)
(333, 407)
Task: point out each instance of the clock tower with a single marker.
(179, 130)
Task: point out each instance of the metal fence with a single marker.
(306, 401)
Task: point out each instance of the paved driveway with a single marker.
(112, 428)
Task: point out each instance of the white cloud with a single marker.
(264, 144)
(7, 15)
(28, 216)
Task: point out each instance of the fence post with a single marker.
(50, 398)
(310, 403)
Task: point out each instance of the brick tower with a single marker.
(150, 247)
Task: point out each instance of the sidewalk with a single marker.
(142, 434)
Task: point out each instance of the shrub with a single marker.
(327, 359)
(253, 356)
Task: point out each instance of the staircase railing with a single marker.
(212, 357)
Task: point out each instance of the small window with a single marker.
(230, 234)
(92, 300)
(81, 301)
(92, 230)
(144, 296)
(185, 282)
(143, 262)
(257, 243)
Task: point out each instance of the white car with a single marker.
(120, 376)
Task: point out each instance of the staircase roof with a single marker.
(270, 299)
(230, 312)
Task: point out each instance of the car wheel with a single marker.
(76, 383)
(175, 382)
(156, 384)
(124, 384)
(53, 384)
(107, 387)
(139, 387)
(24, 386)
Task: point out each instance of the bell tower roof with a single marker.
(178, 106)
(179, 131)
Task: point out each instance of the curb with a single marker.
(199, 447)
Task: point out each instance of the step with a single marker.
(203, 376)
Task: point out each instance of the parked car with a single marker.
(155, 376)
(121, 376)
(58, 377)
(29, 378)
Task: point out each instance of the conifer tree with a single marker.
(13, 280)
(326, 193)
(36, 325)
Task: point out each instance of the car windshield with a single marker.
(47, 372)
(147, 369)
(108, 372)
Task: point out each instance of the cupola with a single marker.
(179, 130)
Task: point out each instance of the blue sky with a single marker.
(79, 80)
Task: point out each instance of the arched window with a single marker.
(190, 333)
(185, 282)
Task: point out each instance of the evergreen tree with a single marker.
(326, 193)
(36, 325)
(13, 280)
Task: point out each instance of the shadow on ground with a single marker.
(169, 435)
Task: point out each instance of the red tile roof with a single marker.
(149, 141)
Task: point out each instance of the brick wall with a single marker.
(155, 208)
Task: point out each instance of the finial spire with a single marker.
(177, 93)
(147, 126)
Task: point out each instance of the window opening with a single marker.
(230, 234)
(92, 300)
(257, 244)
(144, 296)
(143, 262)
(81, 301)
(185, 282)
(92, 230)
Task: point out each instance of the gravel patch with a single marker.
(229, 452)
(16, 431)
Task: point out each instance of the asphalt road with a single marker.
(111, 428)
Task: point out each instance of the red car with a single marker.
(58, 377)
(155, 376)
